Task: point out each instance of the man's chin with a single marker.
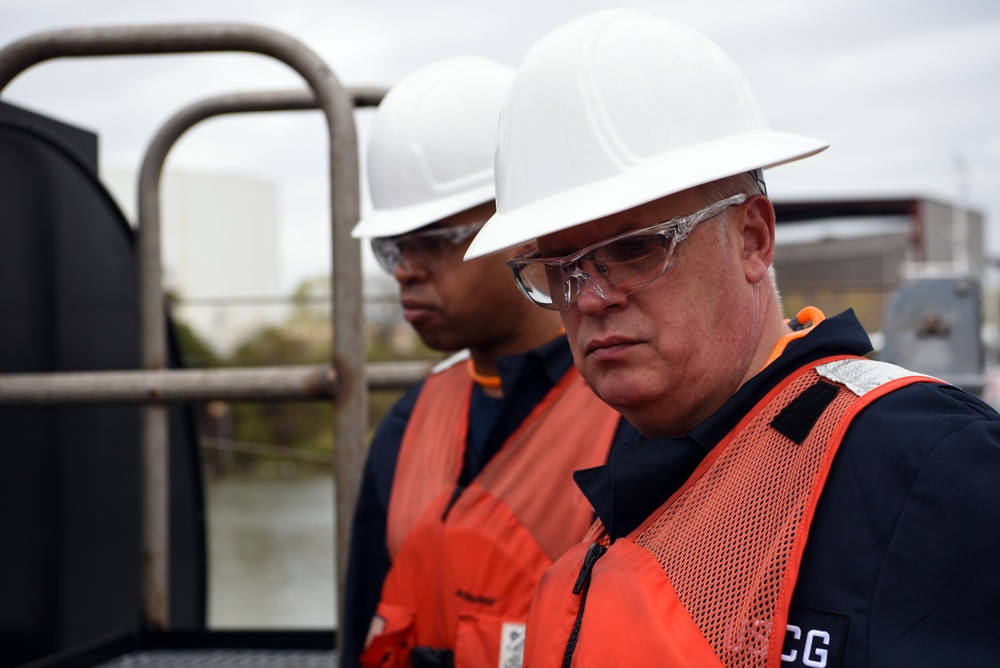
(438, 341)
(621, 392)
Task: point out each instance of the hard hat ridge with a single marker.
(617, 109)
(432, 148)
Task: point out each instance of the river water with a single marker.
(271, 553)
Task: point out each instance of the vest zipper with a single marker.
(580, 588)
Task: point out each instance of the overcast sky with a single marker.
(903, 91)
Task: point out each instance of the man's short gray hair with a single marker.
(751, 183)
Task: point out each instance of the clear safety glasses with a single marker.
(613, 268)
(424, 248)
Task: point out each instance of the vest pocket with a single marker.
(484, 640)
(390, 638)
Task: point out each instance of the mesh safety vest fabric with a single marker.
(465, 566)
(707, 579)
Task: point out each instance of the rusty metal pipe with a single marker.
(260, 384)
(178, 385)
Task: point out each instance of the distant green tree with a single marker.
(304, 338)
(195, 350)
(307, 424)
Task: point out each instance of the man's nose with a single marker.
(409, 268)
(592, 295)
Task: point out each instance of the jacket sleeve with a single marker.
(368, 555)
(937, 599)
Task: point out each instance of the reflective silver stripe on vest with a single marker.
(861, 376)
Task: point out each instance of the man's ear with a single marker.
(758, 237)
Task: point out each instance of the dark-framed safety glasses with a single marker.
(612, 268)
(424, 247)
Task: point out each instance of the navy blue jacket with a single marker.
(902, 562)
(526, 379)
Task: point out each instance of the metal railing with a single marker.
(275, 383)
(298, 383)
(345, 381)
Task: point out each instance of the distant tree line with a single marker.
(286, 438)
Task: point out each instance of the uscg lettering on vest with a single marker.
(814, 639)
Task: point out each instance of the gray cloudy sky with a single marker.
(900, 88)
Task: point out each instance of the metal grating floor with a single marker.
(224, 658)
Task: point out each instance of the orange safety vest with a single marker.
(707, 579)
(465, 562)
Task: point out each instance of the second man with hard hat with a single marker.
(467, 493)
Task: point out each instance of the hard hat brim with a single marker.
(400, 220)
(658, 177)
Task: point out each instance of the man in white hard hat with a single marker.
(467, 494)
(794, 502)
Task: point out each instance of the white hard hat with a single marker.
(617, 109)
(432, 148)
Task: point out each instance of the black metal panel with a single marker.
(69, 476)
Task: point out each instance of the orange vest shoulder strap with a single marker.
(434, 445)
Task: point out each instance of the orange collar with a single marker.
(491, 382)
(803, 323)
(481, 380)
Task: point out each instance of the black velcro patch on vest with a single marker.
(797, 419)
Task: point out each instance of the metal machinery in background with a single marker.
(158, 384)
(933, 325)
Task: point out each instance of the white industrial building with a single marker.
(221, 255)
